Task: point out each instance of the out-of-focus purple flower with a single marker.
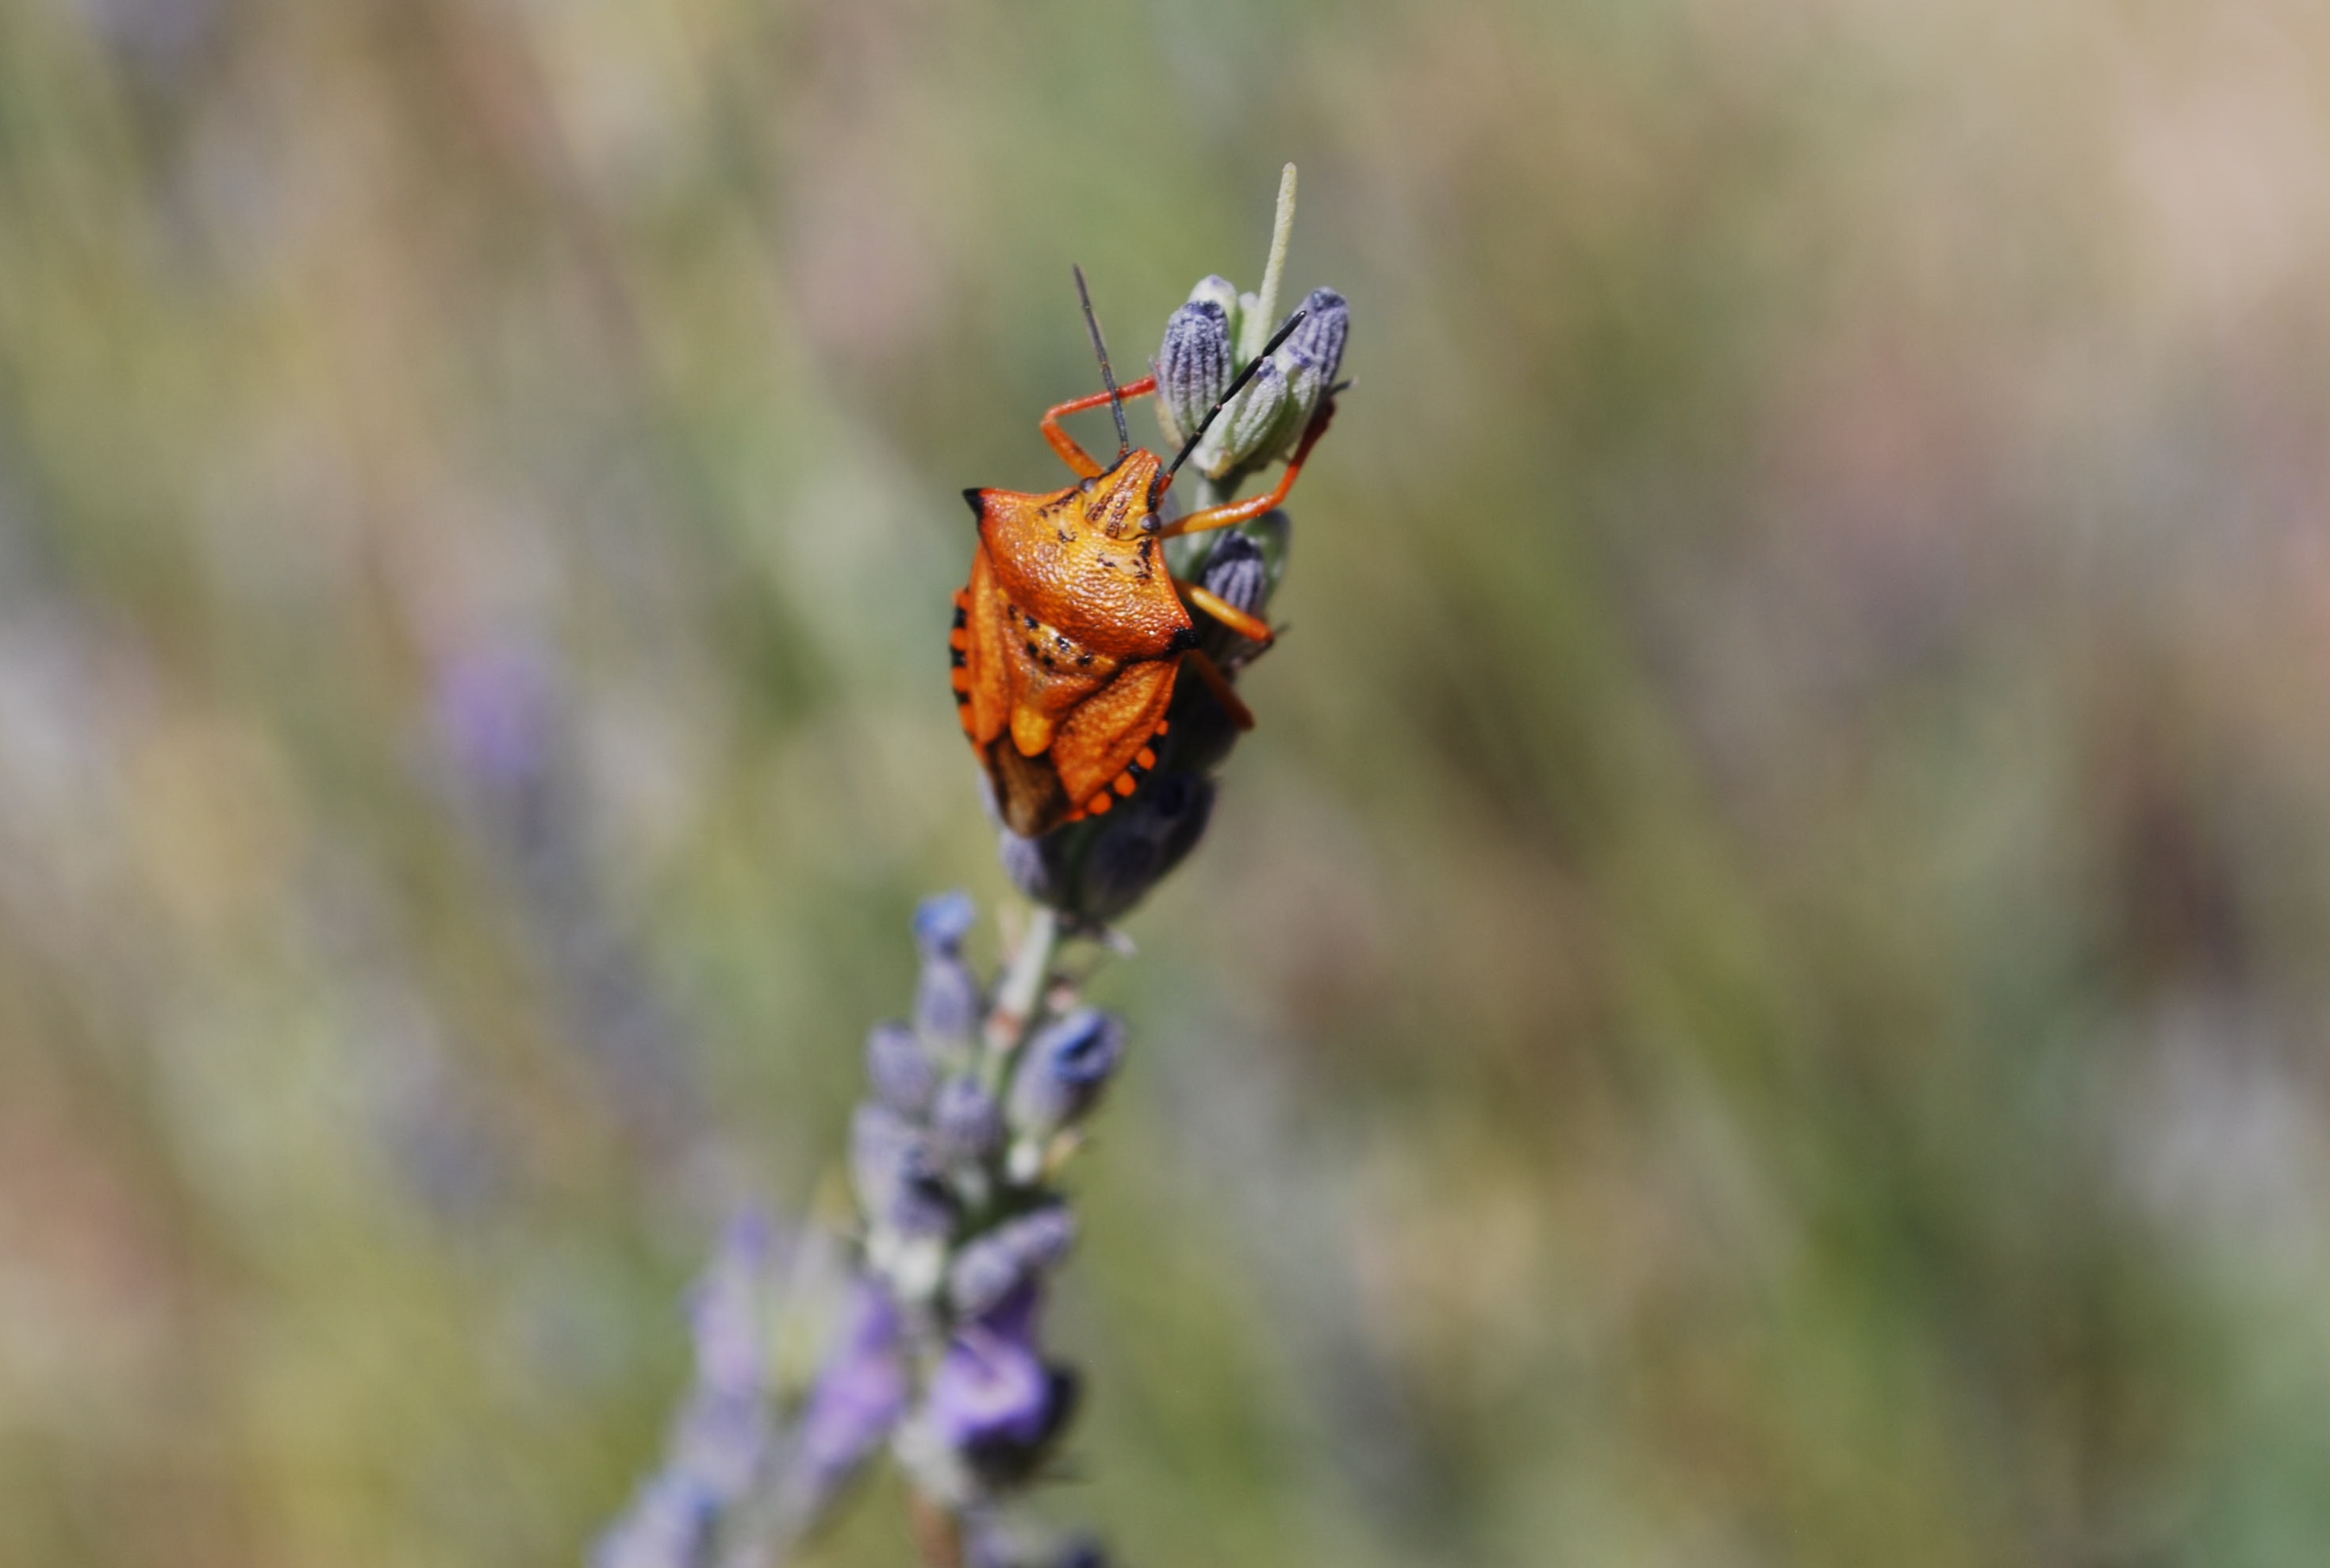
(994, 1400)
(1067, 1067)
(495, 713)
(947, 1000)
(722, 1444)
(673, 1523)
(500, 719)
(900, 1071)
(987, 1544)
(859, 1395)
(966, 1124)
(730, 1339)
(1000, 1262)
(899, 1183)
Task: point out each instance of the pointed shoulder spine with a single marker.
(977, 503)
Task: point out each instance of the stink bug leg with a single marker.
(1072, 454)
(1232, 513)
(1246, 626)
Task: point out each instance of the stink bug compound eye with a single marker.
(1070, 638)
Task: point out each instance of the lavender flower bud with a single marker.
(1237, 572)
(1067, 1067)
(1042, 867)
(902, 1073)
(1193, 363)
(1143, 844)
(1219, 292)
(994, 1400)
(942, 921)
(860, 1393)
(966, 1124)
(1097, 870)
(1253, 427)
(947, 997)
(1317, 345)
(1310, 358)
(899, 1181)
(1010, 1256)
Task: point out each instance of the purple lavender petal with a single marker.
(994, 1399)
(988, 1389)
(859, 1397)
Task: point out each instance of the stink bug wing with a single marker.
(992, 688)
(1027, 789)
(1102, 738)
(992, 685)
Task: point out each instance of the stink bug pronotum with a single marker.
(1071, 634)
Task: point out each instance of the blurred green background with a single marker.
(1757, 999)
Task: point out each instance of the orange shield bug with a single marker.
(1072, 632)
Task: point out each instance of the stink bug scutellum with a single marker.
(1070, 636)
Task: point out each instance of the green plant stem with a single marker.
(1021, 989)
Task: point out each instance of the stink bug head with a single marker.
(1122, 502)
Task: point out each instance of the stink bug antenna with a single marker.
(1222, 403)
(1107, 377)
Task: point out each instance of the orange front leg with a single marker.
(1228, 614)
(1072, 455)
(1231, 513)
